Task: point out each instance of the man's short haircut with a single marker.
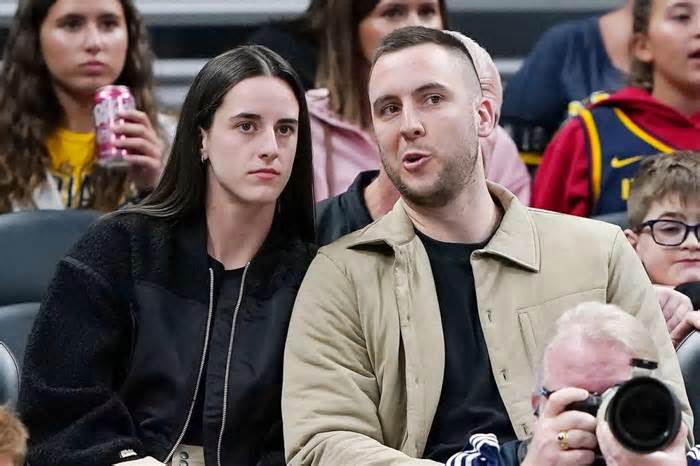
(13, 437)
(599, 323)
(414, 36)
(661, 176)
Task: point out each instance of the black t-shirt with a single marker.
(227, 286)
(469, 402)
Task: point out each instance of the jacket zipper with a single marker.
(201, 369)
(228, 365)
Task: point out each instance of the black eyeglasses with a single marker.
(670, 232)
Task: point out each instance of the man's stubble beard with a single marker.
(456, 173)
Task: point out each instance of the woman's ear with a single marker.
(203, 135)
(487, 117)
(203, 152)
(641, 49)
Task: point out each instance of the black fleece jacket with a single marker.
(116, 352)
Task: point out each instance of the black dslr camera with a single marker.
(643, 413)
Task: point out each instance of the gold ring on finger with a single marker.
(563, 440)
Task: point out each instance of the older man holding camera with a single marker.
(597, 400)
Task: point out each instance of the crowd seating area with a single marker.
(569, 120)
(186, 33)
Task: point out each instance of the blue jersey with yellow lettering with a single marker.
(616, 145)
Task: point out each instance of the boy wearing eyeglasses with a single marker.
(664, 217)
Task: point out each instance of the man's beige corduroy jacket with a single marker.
(364, 360)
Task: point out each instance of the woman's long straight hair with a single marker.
(181, 191)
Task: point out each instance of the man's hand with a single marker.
(579, 428)
(676, 307)
(616, 455)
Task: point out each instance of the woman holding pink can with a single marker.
(58, 55)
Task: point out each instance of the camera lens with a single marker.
(644, 415)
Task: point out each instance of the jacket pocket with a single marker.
(528, 335)
(538, 320)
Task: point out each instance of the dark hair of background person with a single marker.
(30, 111)
(641, 73)
(342, 68)
(181, 191)
(297, 40)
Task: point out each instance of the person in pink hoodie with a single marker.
(343, 145)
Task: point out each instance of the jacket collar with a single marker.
(281, 260)
(516, 239)
(352, 201)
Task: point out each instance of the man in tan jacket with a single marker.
(420, 329)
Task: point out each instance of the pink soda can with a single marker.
(109, 101)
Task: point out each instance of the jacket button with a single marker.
(183, 463)
(184, 455)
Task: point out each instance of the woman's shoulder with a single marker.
(117, 234)
(293, 251)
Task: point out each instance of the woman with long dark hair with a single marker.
(162, 335)
(58, 53)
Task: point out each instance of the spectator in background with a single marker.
(588, 166)
(572, 62)
(344, 145)
(58, 53)
(13, 439)
(372, 194)
(132, 357)
(296, 40)
(588, 351)
(664, 213)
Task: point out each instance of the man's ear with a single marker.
(632, 238)
(487, 117)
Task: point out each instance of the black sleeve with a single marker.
(535, 101)
(75, 359)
